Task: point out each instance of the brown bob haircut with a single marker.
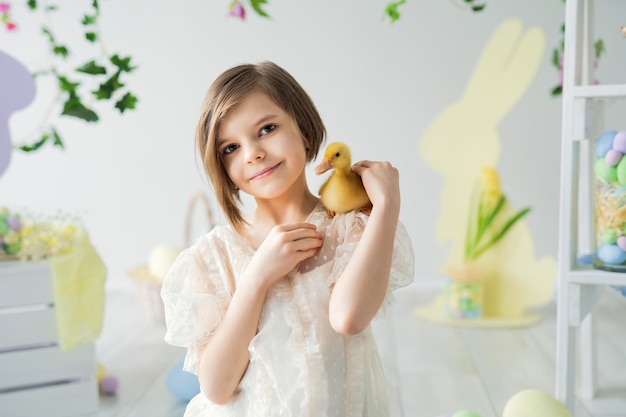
(231, 88)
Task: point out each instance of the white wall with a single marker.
(377, 86)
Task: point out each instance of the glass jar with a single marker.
(609, 173)
(463, 292)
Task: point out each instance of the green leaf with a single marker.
(599, 48)
(67, 85)
(57, 139)
(127, 102)
(478, 7)
(92, 68)
(48, 34)
(484, 225)
(106, 89)
(556, 91)
(96, 7)
(73, 107)
(555, 59)
(123, 64)
(392, 10)
(501, 233)
(36, 145)
(32, 4)
(60, 50)
(88, 20)
(256, 6)
(91, 36)
(472, 224)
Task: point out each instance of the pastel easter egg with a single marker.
(619, 141)
(14, 223)
(12, 248)
(613, 157)
(604, 172)
(611, 254)
(621, 243)
(108, 385)
(465, 413)
(609, 237)
(605, 143)
(535, 403)
(620, 172)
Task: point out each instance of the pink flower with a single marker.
(237, 10)
(11, 26)
(4, 7)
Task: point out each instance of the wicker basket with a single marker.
(148, 287)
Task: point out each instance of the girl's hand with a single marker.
(381, 181)
(282, 249)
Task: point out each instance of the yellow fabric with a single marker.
(79, 293)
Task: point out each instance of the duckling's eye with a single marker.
(267, 129)
(230, 149)
(337, 155)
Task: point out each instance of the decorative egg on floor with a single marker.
(161, 259)
(535, 403)
(182, 384)
(108, 385)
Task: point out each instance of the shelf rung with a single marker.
(600, 91)
(591, 276)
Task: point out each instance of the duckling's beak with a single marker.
(323, 167)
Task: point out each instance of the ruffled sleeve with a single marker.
(349, 228)
(195, 294)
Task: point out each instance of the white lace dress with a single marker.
(299, 366)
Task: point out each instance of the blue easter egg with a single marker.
(605, 143)
(611, 254)
(181, 383)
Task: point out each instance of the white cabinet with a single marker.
(583, 115)
(37, 377)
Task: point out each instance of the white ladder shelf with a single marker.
(578, 285)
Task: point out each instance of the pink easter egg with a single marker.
(619, 142)
(108, 385)
(14, 223)
(612, 157)
(621, 242)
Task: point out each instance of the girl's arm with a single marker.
(359, 292)
(224, 359)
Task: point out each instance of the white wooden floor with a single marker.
(432, 370)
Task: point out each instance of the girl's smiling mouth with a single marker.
(264, 173)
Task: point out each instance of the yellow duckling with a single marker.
(343, 191)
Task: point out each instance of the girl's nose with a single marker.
(254, 153)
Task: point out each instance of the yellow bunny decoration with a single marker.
(514, 279)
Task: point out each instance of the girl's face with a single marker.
(262, 147)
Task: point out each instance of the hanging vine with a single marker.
(99, 78)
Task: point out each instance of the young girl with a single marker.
(275, 309)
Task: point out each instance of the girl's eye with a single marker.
(229, 149)
(267, 129)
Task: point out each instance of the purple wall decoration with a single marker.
(17, 90)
